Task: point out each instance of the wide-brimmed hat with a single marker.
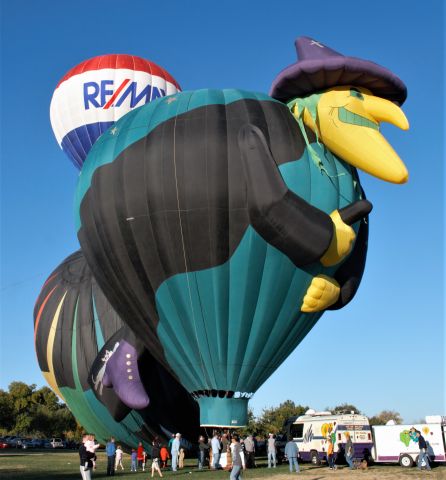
(319, 68)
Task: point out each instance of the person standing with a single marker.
(422, 444)
(202, 451)
(175, 451)
(169, 444)
(250, 452)
(291, 452)
(330, 453)
(271, 450)
(133, 457)
(216, 447)
(224, 451)
(238, 460)
(119, 454)
(86, 460)
(164, 453)
(181, 458)
(140, 456)
(110, 450)
(156, 458)
(349, 451)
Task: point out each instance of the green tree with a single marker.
(344, 408)
(6, 412)
(272, 419)
(251, 427)
(383, 417)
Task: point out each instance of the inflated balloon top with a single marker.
(99, 91)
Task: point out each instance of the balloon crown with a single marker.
(319, 67)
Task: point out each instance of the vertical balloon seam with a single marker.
(99, 334)
(241, 371)
(50, 375)
(182, 238)
(78, 392)
(39, 314)
(268, 350)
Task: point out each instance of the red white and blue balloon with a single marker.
(92, 96)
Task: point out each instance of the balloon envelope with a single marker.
(163, 220)
(99, 91)
(73, 321)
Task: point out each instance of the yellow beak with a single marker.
(349, 126)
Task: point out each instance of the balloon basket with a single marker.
(223, 412)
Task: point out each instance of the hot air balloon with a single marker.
(76, 335)
(99, 91)
(221, 231)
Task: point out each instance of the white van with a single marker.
(393, 444)
(310, 432)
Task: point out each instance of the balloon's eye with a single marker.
(356, 93)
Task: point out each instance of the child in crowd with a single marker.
(164, 454)
(134, 456)
(91, 447)
(181, 458)
(119, 454)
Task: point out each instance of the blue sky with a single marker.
(383, 351)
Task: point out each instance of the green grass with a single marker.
(64, 465)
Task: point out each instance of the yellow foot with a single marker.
(323, 292)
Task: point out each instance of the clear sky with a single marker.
(383, 351)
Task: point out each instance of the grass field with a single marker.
(63, 465)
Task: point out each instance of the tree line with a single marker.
(28, 411)
(272, 419)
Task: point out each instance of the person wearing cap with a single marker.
(271, 450)
(175, 451)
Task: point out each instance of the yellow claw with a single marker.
(341, 243)
(322, 292)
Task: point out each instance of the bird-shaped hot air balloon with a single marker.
(99, 91)
(221, 228)
(77, 333)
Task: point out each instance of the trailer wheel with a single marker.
(314, 458)
(406, 461)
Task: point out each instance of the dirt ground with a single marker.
(380, 472)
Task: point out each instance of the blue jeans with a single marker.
(293, 461)
(349, 460)
(331, 461)
(174, 460)
(200, 459)
(235, 472)
(133, 466)
(216, 460)
(271, 459)
(423, 456)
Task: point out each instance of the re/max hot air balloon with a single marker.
(218, 224)
(99, 91)
(76, 335)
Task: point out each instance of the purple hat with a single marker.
(319, 68)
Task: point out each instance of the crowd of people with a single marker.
(221, 451)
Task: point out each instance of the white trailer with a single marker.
(394, 444)
(310, 432)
